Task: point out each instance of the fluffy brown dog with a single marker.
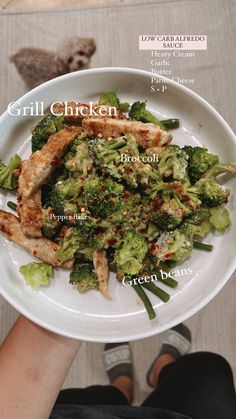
(36, 65)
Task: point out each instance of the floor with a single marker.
(18, 5)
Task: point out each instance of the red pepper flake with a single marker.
(61, 233)
(128, 169)
(154, 249)
(165, 215)
(120, 231)
(168, 255)
(111, 242)
(142, 230)
(55, 162)
(186, 198)
(157, 203)
(126, 195)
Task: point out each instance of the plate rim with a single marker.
(181, 316)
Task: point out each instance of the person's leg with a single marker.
(199, 385)
(93, 395)
(118, 365)
(125, 385)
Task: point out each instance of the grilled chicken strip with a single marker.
(41, 164)
(42, 248)
(30, 212)
(146, 135)
(102, 271)
(75, 111)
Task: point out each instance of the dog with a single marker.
(37, 65)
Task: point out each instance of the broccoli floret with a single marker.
(52, 199)
(199, 162)
(85, 251)
(37, 274)
(82, 162)
(69, 247)
(110, 187)
(169, 215)
(111, 99)
(69, 188)
(102, 196)
(109, 237)
(186, 199)
(189, 199)
(165, 221)
(129, 213)
(139, 112)
(62, 198)
(221, 168)
(107, 153)
(113, 158)
(97, 185)
(197, 224)
(84, 277)
(173, 246)
(92, 187)
(46, 191)
(129, 256)
(152, 231)
(49, 125)
(69, 192)
(8, 179)
(211, 193)
(75, 243)
(156, 186)
(173, 162)
(86, 229)
(219, 219)
(76, 142)
(51, 224)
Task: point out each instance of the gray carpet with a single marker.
(116, 32)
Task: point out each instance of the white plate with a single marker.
(60, 307)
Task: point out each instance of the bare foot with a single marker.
(126, 386)
(160, 363)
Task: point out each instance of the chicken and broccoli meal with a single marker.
(112, 193)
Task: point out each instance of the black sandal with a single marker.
(176, 342)
(118, 360)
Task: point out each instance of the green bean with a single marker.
(12, 205)
(171, 123)
(202, 246)
(157, 291)
(147, 303)
(170, 282)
